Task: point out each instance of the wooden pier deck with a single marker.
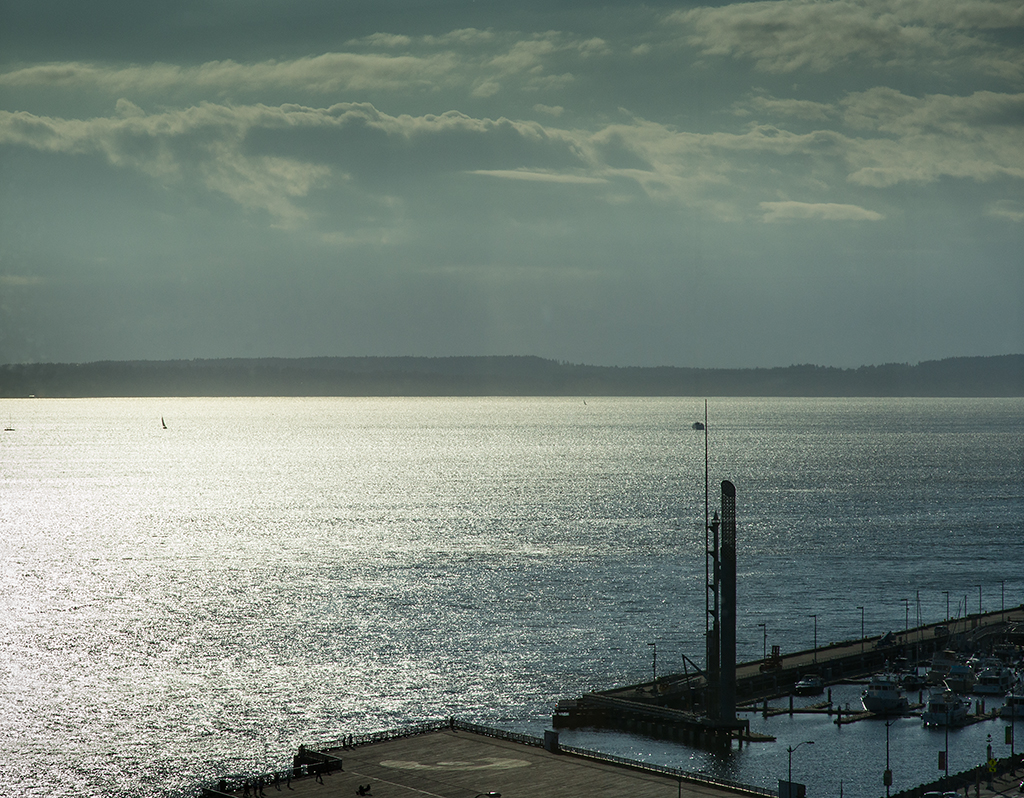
(456, 763)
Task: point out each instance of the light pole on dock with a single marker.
(815, 638)
(979, 599)
(1002, 599)
(764, 647)
(945, 758)
(887, 778)
(861, 608)
(946, 593)
(906, 620)
(654, 661)
(790, 750)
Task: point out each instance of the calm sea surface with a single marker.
(180, 604)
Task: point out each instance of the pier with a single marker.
(461, 760)
(673, 706)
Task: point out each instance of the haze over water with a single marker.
(184, 603)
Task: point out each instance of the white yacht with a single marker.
(1013, 709)
(884, 696)
(944, 708)
(961, 678)
(994, 679)
(942, 661)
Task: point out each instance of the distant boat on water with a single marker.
(163, 423)
(698, 425)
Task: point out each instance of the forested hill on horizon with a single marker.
(1001, 375)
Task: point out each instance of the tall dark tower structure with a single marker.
(727, 605)
(721, 611)
(714, 631)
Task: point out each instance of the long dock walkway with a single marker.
(644, 707)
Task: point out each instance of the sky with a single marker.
(727, 184)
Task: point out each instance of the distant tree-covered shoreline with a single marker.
(1001, 375)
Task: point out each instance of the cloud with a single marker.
(480, 62)
(553, 110)
(328, 73)
(386, 40)
(542, 177)
(826, 211)
(20, 280)
(1009, 210)
(268, 158)
(820, 35)
(273, 158)
(786, 108)
(921, 139)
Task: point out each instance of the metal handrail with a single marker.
(666, 770)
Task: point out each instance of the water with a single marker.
(185, 603)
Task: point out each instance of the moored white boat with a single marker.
(961, 678)
(944, 708)
(884, 696)
(809, 685)
(942, 661)
(994, 679)
(1013, 709)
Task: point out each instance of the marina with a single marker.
(666, 706)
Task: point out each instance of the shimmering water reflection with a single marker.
(179, 604)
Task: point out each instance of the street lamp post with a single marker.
(815, 638)
(790, 750)
(988, 758)
(979, 600)
(861, 629)
(654, 661)
(906, 613)
(887, 778)
(946, 594)
(764, 649)
(945, 759)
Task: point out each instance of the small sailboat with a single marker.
(163, 423)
